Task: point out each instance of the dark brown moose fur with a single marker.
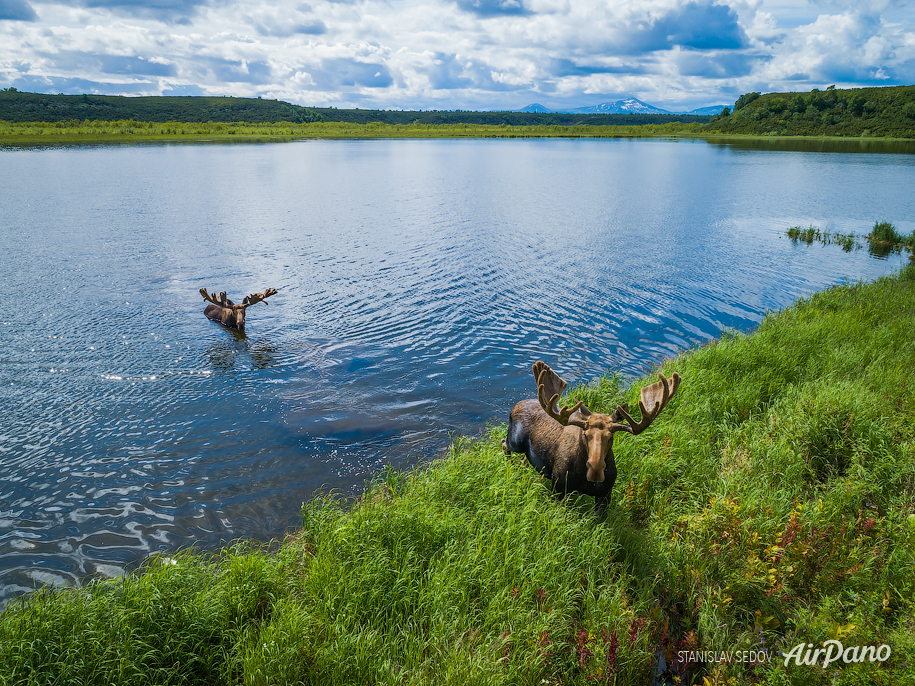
(227, 312)
(573, 447)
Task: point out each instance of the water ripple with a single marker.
(418, 281)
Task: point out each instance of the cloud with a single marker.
(90, 63)
(17, 10)
(564, 67)
(77, 86)
(468, 54)
(447, 73)
(253, 72)
(717, 66)
(493, 8)
(348, 73)
(702, 27)
(117, 64)
(852, 48)
(309, 28)
(170, 11)
(183, 90)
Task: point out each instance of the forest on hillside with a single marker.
(887, 111)
(18, 107)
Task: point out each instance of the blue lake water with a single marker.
(418, 281)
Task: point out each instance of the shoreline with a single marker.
(102, 132)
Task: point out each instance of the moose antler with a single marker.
(255, 298)
(656, 396)
(549, 388)
(223, 301)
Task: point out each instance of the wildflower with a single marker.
(635, 628)
(581, 647)
(611, 655)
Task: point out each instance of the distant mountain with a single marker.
(625, 106)
(535, 107)
(708, 111)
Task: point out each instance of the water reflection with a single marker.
(836, 145)
(223, 355)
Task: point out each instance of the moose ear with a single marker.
(579, 417)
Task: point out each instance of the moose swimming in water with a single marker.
(573, 447)
(227, 312)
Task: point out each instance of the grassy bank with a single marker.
(772, 503)
(31, 133)
(102, 132)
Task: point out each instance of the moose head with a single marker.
(227, 312)
(573, 446)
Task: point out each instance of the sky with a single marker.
(456, 54)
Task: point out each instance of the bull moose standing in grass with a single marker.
(572, 446)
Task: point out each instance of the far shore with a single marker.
(101, 132)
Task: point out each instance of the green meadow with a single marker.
(69, 132)
(771, 504)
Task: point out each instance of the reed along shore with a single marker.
(771, 504)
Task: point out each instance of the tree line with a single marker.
(17, 106)
(887, 111)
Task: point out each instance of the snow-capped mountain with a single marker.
(624, 106)
(535, 107)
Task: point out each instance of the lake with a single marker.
(418, 281)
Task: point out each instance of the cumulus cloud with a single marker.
(311, 28)
(703, 27)
(851, 47)
(90, 63)
(563, 67)
(17, 10)
(467, 54)
(719, 65)
(347, 72)
(491, 8)
(254, 72)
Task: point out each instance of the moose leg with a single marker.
(600, 504)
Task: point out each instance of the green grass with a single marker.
(884, 239)
(69, 132)
(73, 132)
(772, 502)
(848, 241)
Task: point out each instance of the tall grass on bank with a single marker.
(68, 132)
(884, 239)
(772, 503)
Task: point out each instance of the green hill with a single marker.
(888, 111)
(16, 106)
